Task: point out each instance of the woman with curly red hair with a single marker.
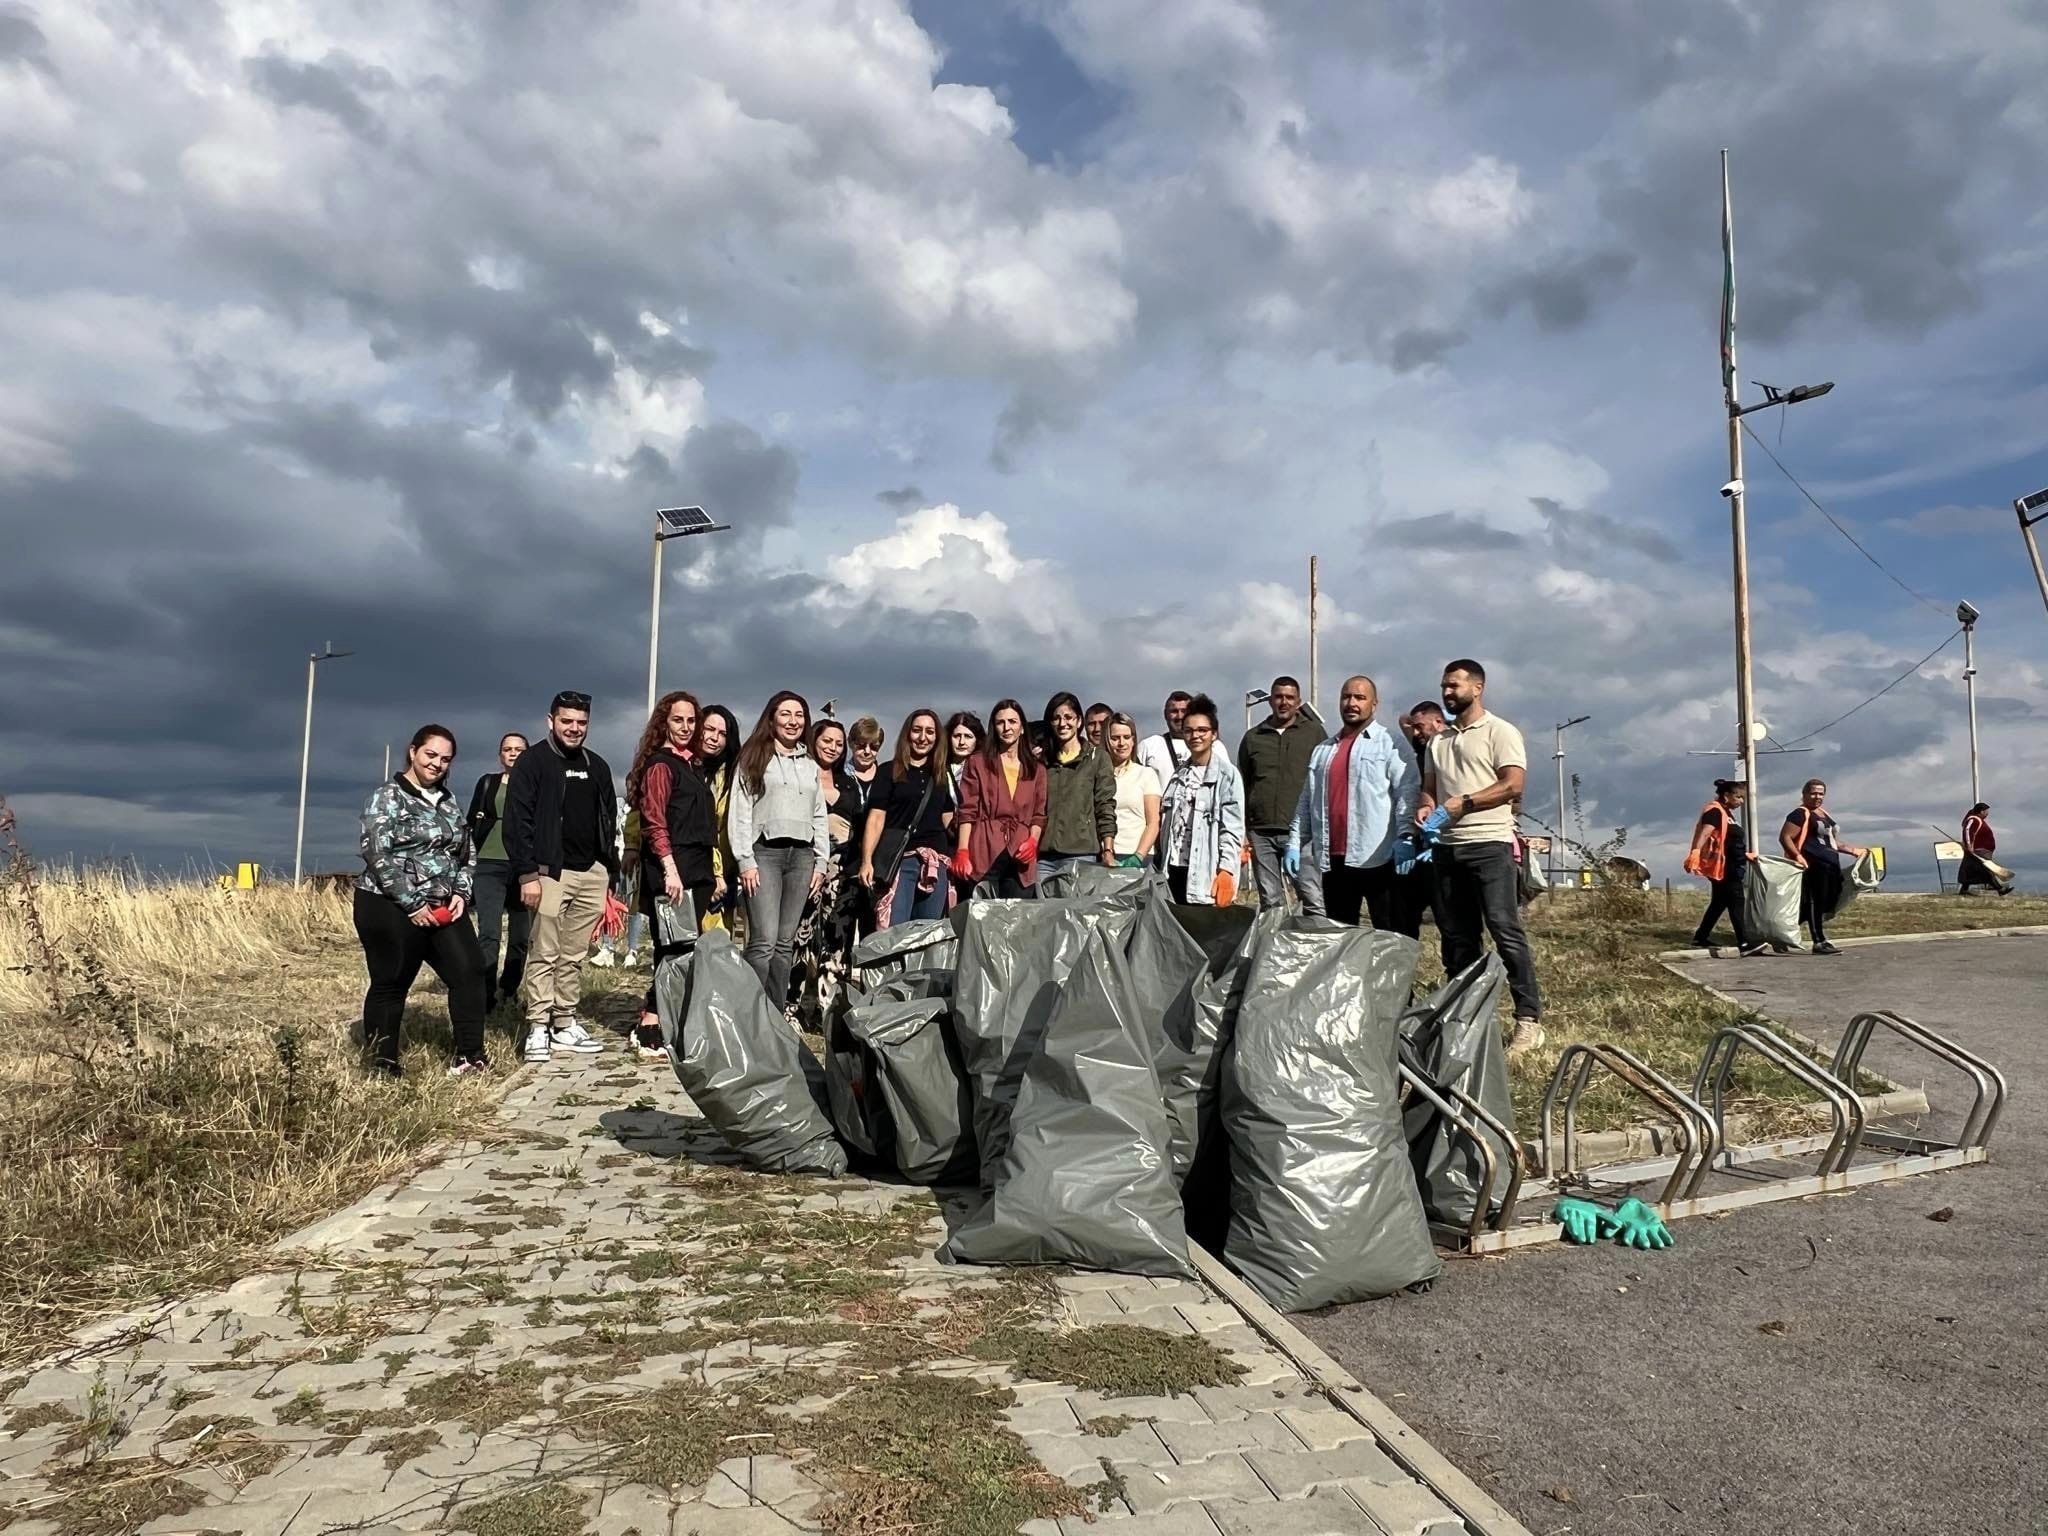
(678, 831)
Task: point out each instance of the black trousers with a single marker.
(1476, 886)
(497, 905)
(1006, 878)
(1819, 889)
(395, 948)
(1972, 873)
(1725, 895)
(1375, 890)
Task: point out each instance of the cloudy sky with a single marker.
(1026, 344)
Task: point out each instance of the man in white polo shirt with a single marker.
(1469, 788)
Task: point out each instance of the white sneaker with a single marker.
(537, 1045)
(574, 1037)
(602, 959)
(629, 960)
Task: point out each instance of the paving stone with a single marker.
(1295, 1474)
(1180, 1520)
(1323, 1429)
(1183, 1293)
(1164, 1318)
(1086, 1307)
(634, 1508)
(1321, 1514)
(1406, 1509)
(1254, 1432)
(1187, 1409)
(1079, 1458)
(1150, 1489)
(1052, 1414)
(728, 1488)
(1225, 1403)
(756, 1520)
(1206, 1315)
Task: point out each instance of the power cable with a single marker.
(1918, 597)
(1887, 688)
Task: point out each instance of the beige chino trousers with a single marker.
(560, 939)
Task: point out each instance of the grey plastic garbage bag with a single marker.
(755, 1081)
(1859, 874)
(914, 1076)
(1182, 974)
(1771, 901)
(925, 944)
(1087, 880)
(1323, 1203)
(1453, 1039)
(1014, 956)
(1083, 1177)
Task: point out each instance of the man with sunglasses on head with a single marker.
(561, 833)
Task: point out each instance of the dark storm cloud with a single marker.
(334, 85)
(1561, 296)
(1438, 530)
(1578, 534)
(903, 498)
(1421, 346)
(21, 40)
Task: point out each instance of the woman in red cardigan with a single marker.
(1002, 809)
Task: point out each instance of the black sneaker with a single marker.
(382, 1068)
(1751, 951)
(1825, 948)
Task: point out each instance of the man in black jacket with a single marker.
(1273, 761)
(497, 894)
(561, 830)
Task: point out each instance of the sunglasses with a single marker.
(567, 700)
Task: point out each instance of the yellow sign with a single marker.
(244, 878)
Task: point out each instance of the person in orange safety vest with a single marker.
(1720, 855)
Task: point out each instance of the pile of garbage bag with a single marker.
(1104, 1075)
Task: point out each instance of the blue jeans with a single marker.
(907, 903)
(774, 911)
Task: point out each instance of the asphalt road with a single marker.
(1839, 1364)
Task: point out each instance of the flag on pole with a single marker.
(1727, 287)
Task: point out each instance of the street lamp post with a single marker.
(670, 523)
(1967, 615)
(2023, 507)
(306, 754)
(1745, 693)
(1557, 841)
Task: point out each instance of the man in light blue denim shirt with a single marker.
(1353, 823)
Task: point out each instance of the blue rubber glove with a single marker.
(1407, 855)
(1637, 1225)
(1291, 862)
(1434, 823)
(1582, 1219)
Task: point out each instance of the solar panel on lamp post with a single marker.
(306, 753)
(2030, 510)
(670, 523)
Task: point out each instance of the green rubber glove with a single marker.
(1637, 1225)
(1583, 1220)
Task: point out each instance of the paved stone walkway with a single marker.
(592, 1321)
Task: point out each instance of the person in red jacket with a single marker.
(1002, 809)
(1979, 843)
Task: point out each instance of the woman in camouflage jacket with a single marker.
(412, 904)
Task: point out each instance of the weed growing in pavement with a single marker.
(1116, 1359)
(549, 1510)
(1107, 1426)
(404, 1446)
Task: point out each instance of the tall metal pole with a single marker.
(1970, 687)
(1745, 698)
(654, 624)
(2020, 508)
(305, 763)
(387, 762)
(1315, 690)
(1557, 842)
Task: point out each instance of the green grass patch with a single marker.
(1115, 1359)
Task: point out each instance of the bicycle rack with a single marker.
(1700, 1143)
(1989, 1082)
(1467, 1116)
(1718, 1065)
(1698, 1134)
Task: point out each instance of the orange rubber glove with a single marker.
(1226, 888)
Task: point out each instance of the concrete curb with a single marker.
(2022, 931)
(1482, 1513)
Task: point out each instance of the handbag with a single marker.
(895, 841)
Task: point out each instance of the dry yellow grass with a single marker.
(182, 1087)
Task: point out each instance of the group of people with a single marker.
(803, 835)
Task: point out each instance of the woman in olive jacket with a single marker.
(1080, 793)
